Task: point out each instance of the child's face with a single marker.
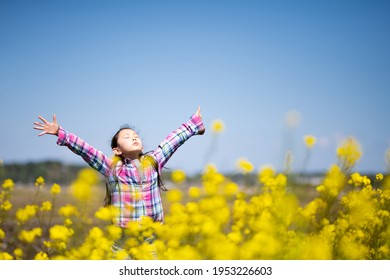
(129, 144)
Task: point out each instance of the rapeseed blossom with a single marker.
(55, 189)
(68, 211)
(40, 182)
(217, 126)
(348, 153)
(309, 140)
(30, 235)
(6, 205)
(106, 213)
(178, 176)
(347, 218)
(60, 233)
(81, 188)
(46, 206)
(26, 213)
(244, 165)
(8, 184)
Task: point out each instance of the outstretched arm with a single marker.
(46, 126)
(177, 137)
(92, 156)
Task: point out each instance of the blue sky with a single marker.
(101, 64)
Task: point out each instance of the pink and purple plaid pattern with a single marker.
(133, 185)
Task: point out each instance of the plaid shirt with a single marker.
(133, 184)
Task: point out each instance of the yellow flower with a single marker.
(358, 180)
(68, 222)
(2, 234)
(39, 182)
(18, 253)
(105, 213)
(55, 189)
(6, 205)
(230, 189)
(379, 177)
(114, 232)
(333, 183)
(244, 165)
(81, 188)
(24, 214)
(178, 176)
(194, 192)
(41, 256)
(29, 236)
(60, 233)
(266, 172)
(349, 153)
(46, 206)
(5, 256)
(217, 126)
(8, 184)
(309, 140)
(68, 210)
(174, 195)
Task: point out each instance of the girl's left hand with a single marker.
(198, 113)
(202, 130)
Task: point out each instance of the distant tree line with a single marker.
(51, 171)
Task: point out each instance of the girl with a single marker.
(132, 177)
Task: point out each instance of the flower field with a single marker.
(346, 217)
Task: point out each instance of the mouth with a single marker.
(135, 144)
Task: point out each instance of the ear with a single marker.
(117, 151)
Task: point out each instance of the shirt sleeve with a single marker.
(176, 138)
(96, 159)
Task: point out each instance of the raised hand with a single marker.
(198, 113)
(46, 126)
(201, 132)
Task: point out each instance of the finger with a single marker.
(38, 128)
(43, 119)
(42, 133)
(198, 112)
(55, 118)
(39, 124)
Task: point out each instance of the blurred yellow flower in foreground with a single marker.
(26, 213)
(178, 176)
(8, 184)
(39, 182)
(68, 210)
(379, 177)
(244, 165)
(217, 126)
(60, 233)
(41, 256)
(174, 195)
(349, 153)
(55, 189)
(194, 192)
(106, 213)
(30, 235)
(309, 140)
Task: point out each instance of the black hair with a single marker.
(114, 139)
(143, 156)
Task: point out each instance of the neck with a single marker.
(131, 156)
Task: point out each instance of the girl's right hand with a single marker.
(47, 127)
